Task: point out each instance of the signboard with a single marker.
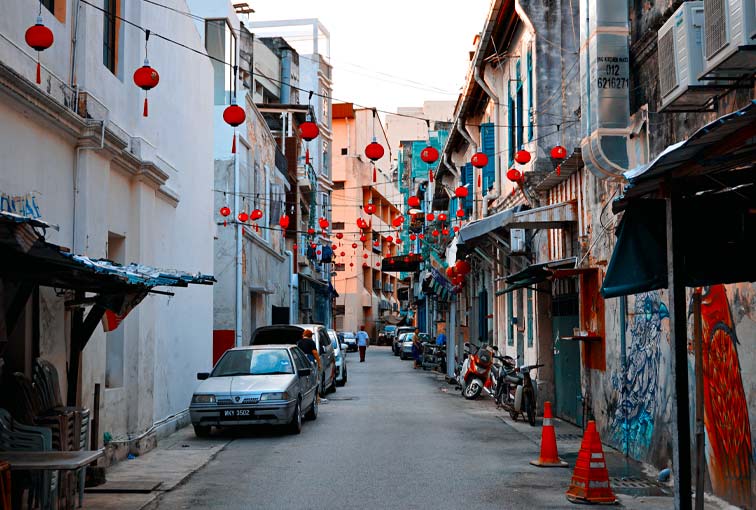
(24, 205)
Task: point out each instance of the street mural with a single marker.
(728, 431)
(632, 424)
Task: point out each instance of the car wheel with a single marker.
(295, 425)
(332, 388)
(312, 414)
(202, 430)
(323, 389)
(343, 378)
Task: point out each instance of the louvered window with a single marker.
(715, 18)
(667, 62)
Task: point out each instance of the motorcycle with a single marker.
(473, 376)
(516, 392)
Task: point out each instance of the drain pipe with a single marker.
(462, 130)
(79, 149)
(490, 197)
(290, 256)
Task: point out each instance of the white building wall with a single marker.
(150, 184)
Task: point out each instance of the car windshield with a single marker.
(334, 340)
(348, 335)
(253, 362)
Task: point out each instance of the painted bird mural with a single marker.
(728, 432)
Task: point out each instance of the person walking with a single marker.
(362, 342)
(417, 347)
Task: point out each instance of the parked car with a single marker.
(261, 384)
(406, 351)
(290, 334)
(350, 339)
(339, 351)
(397, 342)
(386, 335)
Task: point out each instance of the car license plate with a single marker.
(236, 413)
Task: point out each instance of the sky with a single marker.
(391, 53)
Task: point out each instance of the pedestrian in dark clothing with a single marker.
(362, 342)
(417, 347)
(308, 346)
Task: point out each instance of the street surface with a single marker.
(391, 438)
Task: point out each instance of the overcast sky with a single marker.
(391, 53)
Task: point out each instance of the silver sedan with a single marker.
(262, 384)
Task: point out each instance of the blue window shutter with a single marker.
(487, 137)
(531, 105)
(510, 123)
(468, 180)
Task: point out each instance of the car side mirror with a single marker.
(304, 372)
(201, 376)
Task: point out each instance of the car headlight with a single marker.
(203, 399)
(283, 395)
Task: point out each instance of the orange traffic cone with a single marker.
(590, 480)
(549, 456)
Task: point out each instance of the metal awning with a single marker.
(720, 155)
(536, 273)
(569, 166)
(476, 230)
(548, 216)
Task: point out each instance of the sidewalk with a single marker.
(134, 484)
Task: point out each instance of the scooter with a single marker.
(473, 376)
(516, 392)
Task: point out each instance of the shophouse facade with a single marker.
(116, 185)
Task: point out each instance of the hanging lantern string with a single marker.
(571, 120)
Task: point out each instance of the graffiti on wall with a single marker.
(728, 431)
(632, 424)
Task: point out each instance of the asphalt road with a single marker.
(391, 438)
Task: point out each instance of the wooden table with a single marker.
(50, 460)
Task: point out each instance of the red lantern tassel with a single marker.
(559, 170)
(233, 145)
(480, 180)
(430, 175)
(144, 113)
(374, 174)
(307, 156)
(39, 72)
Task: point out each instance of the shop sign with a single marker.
(24, 205)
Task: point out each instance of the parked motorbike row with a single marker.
(483, 370)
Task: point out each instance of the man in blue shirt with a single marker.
(441, 338)
(362, 342)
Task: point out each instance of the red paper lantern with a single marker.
(413, 201)
(460, 213)
(421, 236)
(456, 228)
(461, 192)
(514, 175)
(313, 245)
(39, 37)
(364, 255)
(413, 237)
(397, 222)
(365, 265)
(339, 235)
(243, 216)
(342, 254)
(147, 78)
(283, 221)
(318, 252)
(435, 232)
(377, 264)
(442, 217)
(225, 211)
(450, 272)
(234, 115)
(522, 157)
(445, 231)
(479, 160)
(374, 151)
(354, 245)
(369, 208)
(376, 242)
(558, 152)
(398, 240)
(462, 267)
(256, 214)
(351, 264)
(310, 231)
(363, 238)
(430, 216)
(389, 239)
(429, 155)
(323, 222)
(308, 130)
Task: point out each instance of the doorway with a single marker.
(564, 319)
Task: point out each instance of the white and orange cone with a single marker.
(549, 456)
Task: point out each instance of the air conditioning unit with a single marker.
(305, 302)
(680, 52)
(517, 240)
(729, 28)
